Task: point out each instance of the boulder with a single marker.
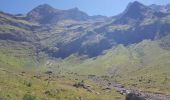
(134, 96)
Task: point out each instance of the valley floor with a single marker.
(30, 85)
(22, 85)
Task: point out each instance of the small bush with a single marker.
(28, 84)
(28, 97)
(79, 84)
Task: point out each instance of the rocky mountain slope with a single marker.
(61, 33)
(165, 9)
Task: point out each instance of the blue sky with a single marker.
(91, 7)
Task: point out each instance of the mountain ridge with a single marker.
(52, 15)
(62, 33)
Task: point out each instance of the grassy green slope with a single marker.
(21, 86)
(17, 55)
(144, 65)
(16, 50)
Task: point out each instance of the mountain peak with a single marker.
(136, 3)
(41, 12)
(45, 8)
(135, 10)
(45, 14)
(74, 9)
(44, 5)
(136, 6)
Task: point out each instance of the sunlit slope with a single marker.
(145, 64)
(37, 86)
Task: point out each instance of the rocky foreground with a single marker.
(131, 94)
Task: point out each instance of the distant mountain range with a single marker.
(61, 33)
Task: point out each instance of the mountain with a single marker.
(45, 14)
(61, 33)
(17, 29)
(42, 14)
(164, 9)
(136, 12)
(74, 32)
(18, 43)
(138, 22)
